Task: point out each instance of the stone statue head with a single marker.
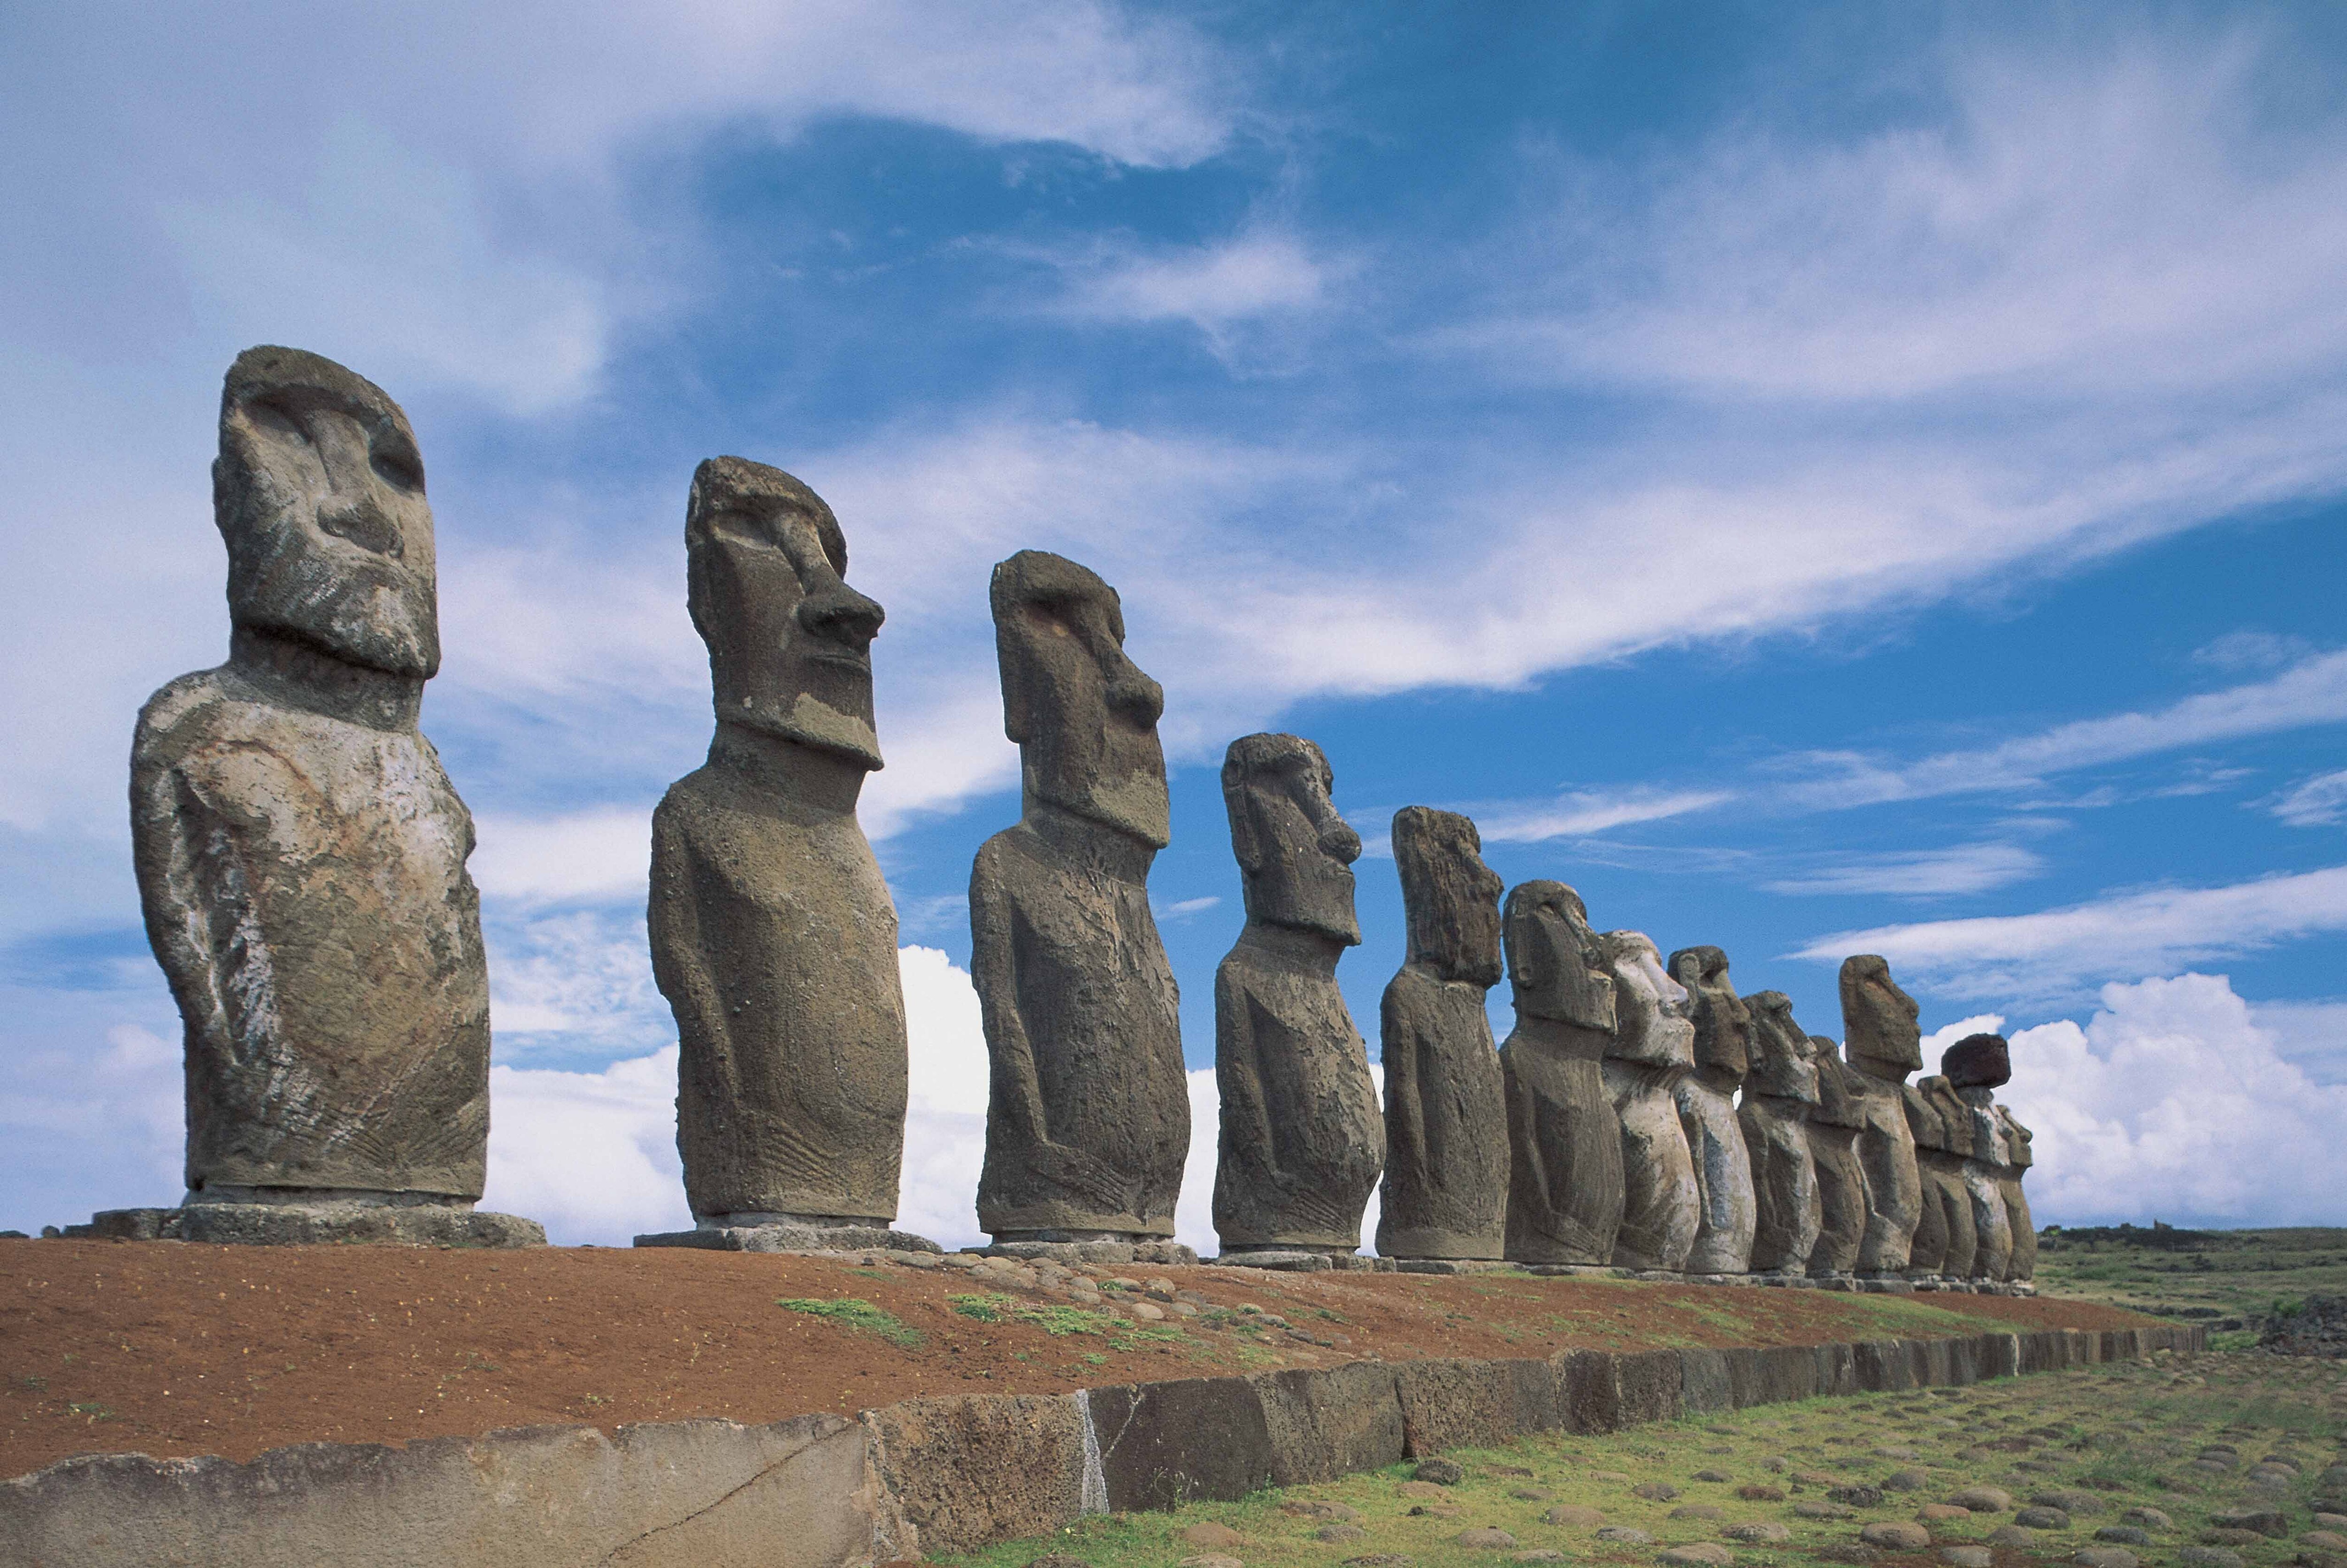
(1978, 1061)
(1294, 852)
(1554, 959)
(1084, 716)
(1723, 1029)
(1651, 1021)
(2017, 1140)
(1782, 1064)
(1451, 898)
(1878, 1019)
(319, 495)
(790, 643)
(1836, 1107)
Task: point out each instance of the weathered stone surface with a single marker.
(1835, 1122)
(1564, 1185)
(1088, 1121)
(791, 1235)
(772, 934)
(1941, 1125)
(300, 852)
(1884, 1045)
(1781, 1092)
(2023, 1267)
(1301, 1139)
(1727, 1213)
(1973, 1068)
(1653, 1048)
(1446, 1181)
(1325, 1423)
(965, 1471)
(1163, 1444)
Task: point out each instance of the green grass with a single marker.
(853, 1312)
(2225, 1279)
(2125, 1434)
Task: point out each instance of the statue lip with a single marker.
(845, 657)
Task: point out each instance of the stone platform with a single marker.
(792, 1236)
(317, 1224)
(1302, 1260)
(1167, 1254)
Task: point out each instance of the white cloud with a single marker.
(2318, 801)
(603, 854)
(573, 980)
(2310, 1035)
(2252, 650)
(90, 1128)
(1213, 287)
(1581, 813)
(1183, 908)
(1966, 868)
(2312, 692)
(2057, 952)
(2173, 1102)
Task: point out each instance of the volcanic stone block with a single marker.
(1940, 1124)
(1834, 1125)
(1326, 1422)
(969, 1470)
(1973, 1068)
(1653, 1048)
(1088, 1121)
(1564, 1186)
(1446, 1181)
(772, 934)
(1301, 1139)
(1706, 1385)
(1884, 1044)
(1191, 1439)
(1726, 1212)
(1780, 1093)
(300, 851)
(1649, 1385)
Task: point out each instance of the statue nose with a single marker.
(365, 524)
(1339, 841)
(842, 614)
(1135, 696)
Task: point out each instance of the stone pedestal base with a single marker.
(791, 1235)
(1885, 1283)
(1165, 1254)
(1450, 1265)
(324, 1224)
(1789, 1281)
(1722, 1280)
(1574, 1270)
(1302, 1260)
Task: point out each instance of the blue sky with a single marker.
(1869, 480)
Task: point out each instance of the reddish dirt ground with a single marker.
(168, 1349)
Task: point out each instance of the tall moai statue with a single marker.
(1974, 1068)
(2023, 1267)
(1944, 1237)
(300, 852)
(1301, 1141)
(1653, 1048)
(1564, 1185)
(1844, 1207)
(1883, 1044)
(772, 934)
(1706, 1102)
(1088, 1121)
(1781, 1092)
(1446, 1184)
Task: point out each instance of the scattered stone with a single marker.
(2069, 1499)
(1440, 1471)
(1858, 1495)
(1340, 1533)
(1942, 1512)
(1212, 1560)
(1211, 1535)
(1625, 1535)
(1607, 1475)
(1530, 1494)
(1698, 1511)
(1822, 1511)
(1906, 1480)
(2014, 1535)
(1714, 1476)
(1655, 1491)
(2227, 1537)
(1896, 1535)
(1765, 1530)
(1486, 1540)
(2328, 1540)
(2264, 1520)
(1426, 1489)
(1573, 1516)
(1757, 1492)
(2208, 1557)
(1967, 1556)
(2104, 1557)
(1695, 1555)
(1543, 1554)
(2037, 1518)
(2123, 1535)
(1853, 1551)
(1379, 1560)
(2149, 1518)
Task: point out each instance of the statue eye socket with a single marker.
(396, 468)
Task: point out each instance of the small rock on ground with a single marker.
(1967, 1556)
(1486, 1540)
(2264, 1520)
(1656, 1492)
(2327, 1539)
(1697, 1555)
(2149, 1518)
(1763, 1532)
(2208, 1557)
(1337, 1535)
(1209, 1536)
(1714, 1476)
(1860, 1496)
(1848, 1552)
(2123, 1535)
(1059, 1560)
(2043, 1518)
(1698, 1511)
(2012, 1535)
(1381, 1560)
(1982, 1499)
(2104, 1557)
(1419, 1489)
(1941, 1513)
(1821, 1510)
(1607, 1475)
(1440, 1471)
(2231, 1538)
(1573, 1515)
(1906, 1480)
(1757, 1492)
(1530, 1494)
(1212, 1560)
(1625, 1535)
(1892, 1535)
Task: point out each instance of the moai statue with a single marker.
(301, 853)
(1844, 1208)
(1088, 1121)
(2023, 1267)
(1446, 1185)
(1706, 1102)
(1301, 1139)
(1973, 1069)
(1653, 1048)
(1781, 1092)
(772, 934)
(1564, 1187)
(1884, 1045)
(1942, 1124)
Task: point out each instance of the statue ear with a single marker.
(1246, 845)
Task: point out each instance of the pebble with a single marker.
(1942, 1512)
(1656, 1491)
(1765, 1530)
(1894, 1451)
(1440, 1471)
(2043, 1519)
(1438, 1511)
(1698, 1511)
(1059, 1560)
(2149, 1518)
(1148, 1312)
(1858, 1496)
(1211, 1535)
(2123, 1535)
(1848, 1552)
(1893, 1535)
(1625, 1535)
(2328, 1540)
(1343, 1514)
(2069, 1499)
(1212, 1560)
(2012, 1535)
(1713, 1475)
(2264, 1520)
(1530, 1494)
(1982, 1499)
(1421, 1489)
(1607, 1475)
(1375, 1560)
(1697, 1554)
(2331, 1521)
(1821, 1510)
(1967, 1556)
(1340, 1533)
(1573, 1516)
(2231, 1538)
(1905, 1480)
(1487, 1540)
(2105, 1557)
(2208, 1557)
(1755, 1491)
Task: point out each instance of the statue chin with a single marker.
(819, 727)
(1135, 806)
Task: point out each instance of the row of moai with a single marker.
(300, 857)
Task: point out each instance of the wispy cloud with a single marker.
(2060, 953)
(1581, 813)
(1255, 273)
(1966, 868)
(2318, 801)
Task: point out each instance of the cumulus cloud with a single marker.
(2172, 1101)
(603, 854)
(2058, 953)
